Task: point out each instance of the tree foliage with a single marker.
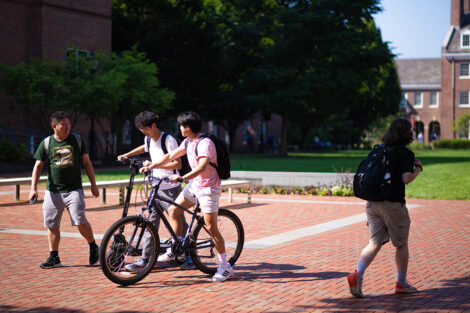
(113, 87)
(309, 61)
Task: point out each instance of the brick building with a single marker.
(46, 28)
(438, 90)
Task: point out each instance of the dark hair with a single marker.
(145, 119)
(57, 116)
(190, 119)
(399, 133)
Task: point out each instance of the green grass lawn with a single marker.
(446, 173)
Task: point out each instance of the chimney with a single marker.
(466, 7)
(456, 11)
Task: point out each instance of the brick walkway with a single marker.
(304, 273)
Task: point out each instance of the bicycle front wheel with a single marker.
(203, 250)
(122, 245)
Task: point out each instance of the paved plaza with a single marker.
(298, 252)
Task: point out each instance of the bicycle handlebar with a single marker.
(132, 162)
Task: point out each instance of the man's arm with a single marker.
(136, 151)
(91, 174)
(408, 177)
(202, 165)
(166, 159)
(35, 178)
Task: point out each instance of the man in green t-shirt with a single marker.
(63, 152)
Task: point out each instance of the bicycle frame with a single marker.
(134, 167)
(179, 244)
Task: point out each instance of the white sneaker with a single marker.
(137, 266)
(223, 273)
(168, 256)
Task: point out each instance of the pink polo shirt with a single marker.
(205, 148)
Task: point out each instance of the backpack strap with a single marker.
(147, 143)
(163, 142)
(47, 140)
(79, 142)
(197, 143)
(46, 144)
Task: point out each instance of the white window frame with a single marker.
(435, 105)
(465, 105)
(462, 34)
(468, 70)
(417, 105)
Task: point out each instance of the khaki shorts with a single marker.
(54, 204)
(388, 220)
(208, 197)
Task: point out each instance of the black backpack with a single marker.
(223, 157)
(372, 180)
(185, 168)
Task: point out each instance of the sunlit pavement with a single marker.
(299, 250)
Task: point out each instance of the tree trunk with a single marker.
(284, 130)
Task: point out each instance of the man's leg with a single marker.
(401, 258)
(367, 256)
(210, 220)
(53, 208)
(53, 236)
(225, 270)
(75, 202)
(87, 232)
(175, 214)
(175, 221)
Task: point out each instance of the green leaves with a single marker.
(114, 86)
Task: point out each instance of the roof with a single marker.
(419, 73)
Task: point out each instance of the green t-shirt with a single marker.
(63, 174)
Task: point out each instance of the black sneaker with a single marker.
(53, 261)
(94, 255)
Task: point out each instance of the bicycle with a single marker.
(121, 244)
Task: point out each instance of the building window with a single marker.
(465, 42)
(464, 70)
(433, 100)
(418, 100)
(463, 99)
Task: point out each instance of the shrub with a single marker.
(452, 144)
(341, 191)
(10, 152)
(419, 146)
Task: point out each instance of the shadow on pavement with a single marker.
(290, 272)
(10, 308)
(453, 295)
(41, 309)
(241, 206)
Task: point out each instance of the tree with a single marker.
(327, 59)
(462, 124)
(111, 87)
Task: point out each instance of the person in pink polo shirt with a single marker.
(204, 185)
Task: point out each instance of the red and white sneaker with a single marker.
(405, 288)
(355, 285)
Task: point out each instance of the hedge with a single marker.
(10, 152)
(452, 144)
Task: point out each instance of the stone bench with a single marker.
(102, 185)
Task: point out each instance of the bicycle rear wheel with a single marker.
(122, 245)
(203, 251)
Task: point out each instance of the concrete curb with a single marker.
(294, 178)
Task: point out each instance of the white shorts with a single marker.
(208, 197)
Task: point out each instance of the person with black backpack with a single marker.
(387, 214)
(157, 144)
(208, 158)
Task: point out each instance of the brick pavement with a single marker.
(303, 275)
